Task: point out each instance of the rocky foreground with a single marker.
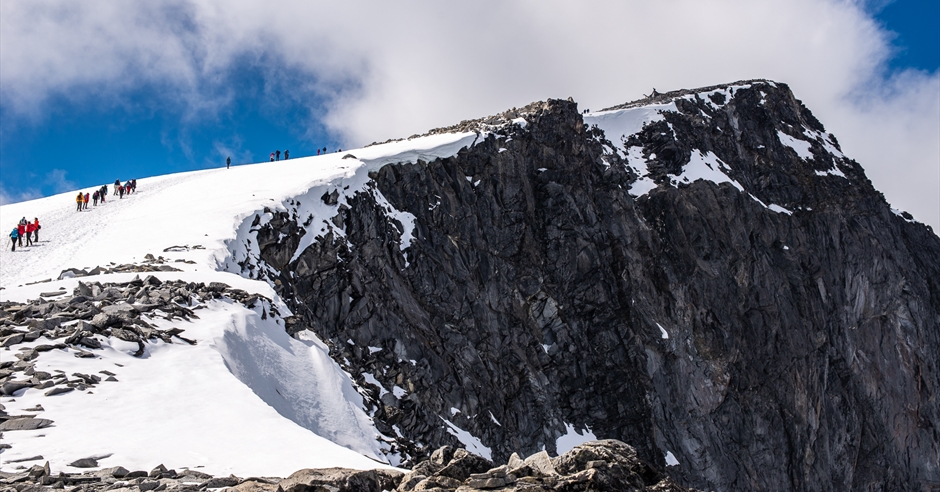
(607, 465)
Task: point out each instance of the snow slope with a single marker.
(247, 398)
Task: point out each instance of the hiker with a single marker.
(36, 230)
(85, 201)
(80, 200)
(228, 162)
(277, 155)
(272, 156)
(127, 187)
(324, 150)
(134, 185)
(286, 155)
(120, 191)
(29, 233)
(117, 184)
(104, 192)
(94, 198)
(20, 231)
(318, 150)
(14, 236)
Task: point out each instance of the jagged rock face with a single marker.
(538, 292)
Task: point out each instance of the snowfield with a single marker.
(247, 398)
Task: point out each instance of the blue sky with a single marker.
(90, 93)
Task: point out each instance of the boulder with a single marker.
(10, 387)
(58, 390)
(463, 464)
(85, 463)
(24, 424)
(341, 480)
(216, 482)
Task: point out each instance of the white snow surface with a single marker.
(801, 147)
(671, 459)
(663, 333)
(247, 398)
(470, 443)
(621, 123)
(573, 438)
(705, 166)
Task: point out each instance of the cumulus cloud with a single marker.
(16, 196)
(375, 70)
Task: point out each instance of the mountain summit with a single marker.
(701, 274)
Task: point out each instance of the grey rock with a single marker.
(542, 462)
(101, 320)
(122, 309)
(463, 464)
(341, 480)
(158, 471)
(58, 390)
(148, 485)
(24, 424)
(217, 482)
(114, 471)
(253, 485)
(12, 340)
(10, 387)
(82, 289)
(85, 463)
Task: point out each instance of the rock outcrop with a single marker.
(774, 329)
(77, 323)
(599, 466)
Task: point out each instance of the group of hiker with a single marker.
(27, 229)
(30, 230)
(82, 199)
(276, 155)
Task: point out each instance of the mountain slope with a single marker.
(702, 274)
(246, 398)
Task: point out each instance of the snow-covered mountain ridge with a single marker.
(528, 281)
(192, 219)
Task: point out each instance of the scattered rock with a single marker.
(341, 480)
(58, 390)
(27, 423)
(85, 463)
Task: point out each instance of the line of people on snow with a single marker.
(82, 199)
(28, 229)
(276, 156)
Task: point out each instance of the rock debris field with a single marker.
(607, 465)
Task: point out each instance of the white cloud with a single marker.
(16, 196)
(391, 69)
(56, 179)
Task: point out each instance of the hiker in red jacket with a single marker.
(85, 201)
(20, 230)
(30, 229)
(36, 229)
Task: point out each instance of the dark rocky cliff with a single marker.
(802, 349)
